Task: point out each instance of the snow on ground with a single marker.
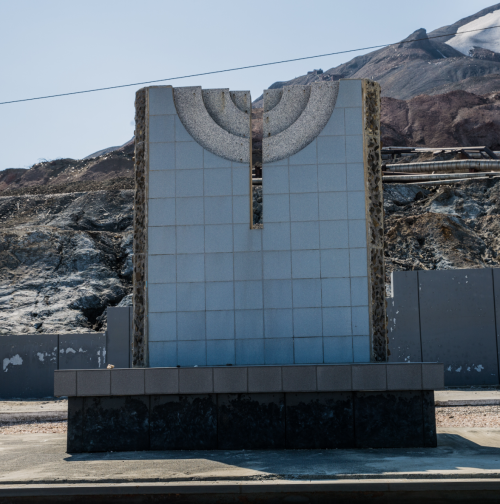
(488, 39)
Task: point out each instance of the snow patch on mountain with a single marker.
(488, 39)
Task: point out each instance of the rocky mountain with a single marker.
(437, 91)
(460, 36)
(445, 227)
(64, 257)
(427, 63)
(68, 175)
(453, 119)
(66, 225)
(66, 242)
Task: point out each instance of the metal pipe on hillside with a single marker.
(446, 166)
(444, 182)
(437, 176)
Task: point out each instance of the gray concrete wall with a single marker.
(29, 360)
(448, 316)
(404, 318)
(82, 351)
(28, 365)
(118, 336)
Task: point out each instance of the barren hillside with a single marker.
(453, 119)
(423, 64)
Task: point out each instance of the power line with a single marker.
(244, 67)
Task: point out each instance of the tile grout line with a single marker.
(320, 257)
(291, 267)
(262, 260)
(175, 237)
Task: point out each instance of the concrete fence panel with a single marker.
(28, 365)
(118, 337)
(453, 316)
(404, 318)
(82, 351)
(496, 290)
(29, 361)
(457, 323)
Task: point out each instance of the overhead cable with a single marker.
(244, 67)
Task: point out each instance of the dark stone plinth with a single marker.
(75, 442)
(388, 419)
(305, 420)
(118, 423)
(319, 420)
(429, 411)
(251, 421)
(183, 422)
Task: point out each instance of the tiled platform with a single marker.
(249, 379)
(273, 407)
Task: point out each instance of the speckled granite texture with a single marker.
(183, 422)
(272, 98)
(139, 347)
(375, 220)
(243, 100)
(388, 419)
(75, 443)
(101, 424)
(225, 113)
(207, 133)
(306, 128)
(429, 415)
(322, 420)
(291, 105)
(261, 417)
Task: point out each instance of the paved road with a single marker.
(41, 459)
(467, 396)
(33, 410)
(33, 405)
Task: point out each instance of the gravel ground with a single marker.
(468, 416)
(463, 416)
(34, 428)
(25, 405)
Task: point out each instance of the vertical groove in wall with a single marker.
(423, 415)
(374, 220)
(250, 169)
(419, 319)
(496, 322)
(139, 357)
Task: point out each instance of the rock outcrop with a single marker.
(445, 227)
(452, 119)
(63, 259)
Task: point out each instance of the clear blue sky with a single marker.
(57, 46)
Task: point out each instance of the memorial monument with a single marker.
(249, 338)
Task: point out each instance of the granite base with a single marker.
(319, 420)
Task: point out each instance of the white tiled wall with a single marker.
(294, 292)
